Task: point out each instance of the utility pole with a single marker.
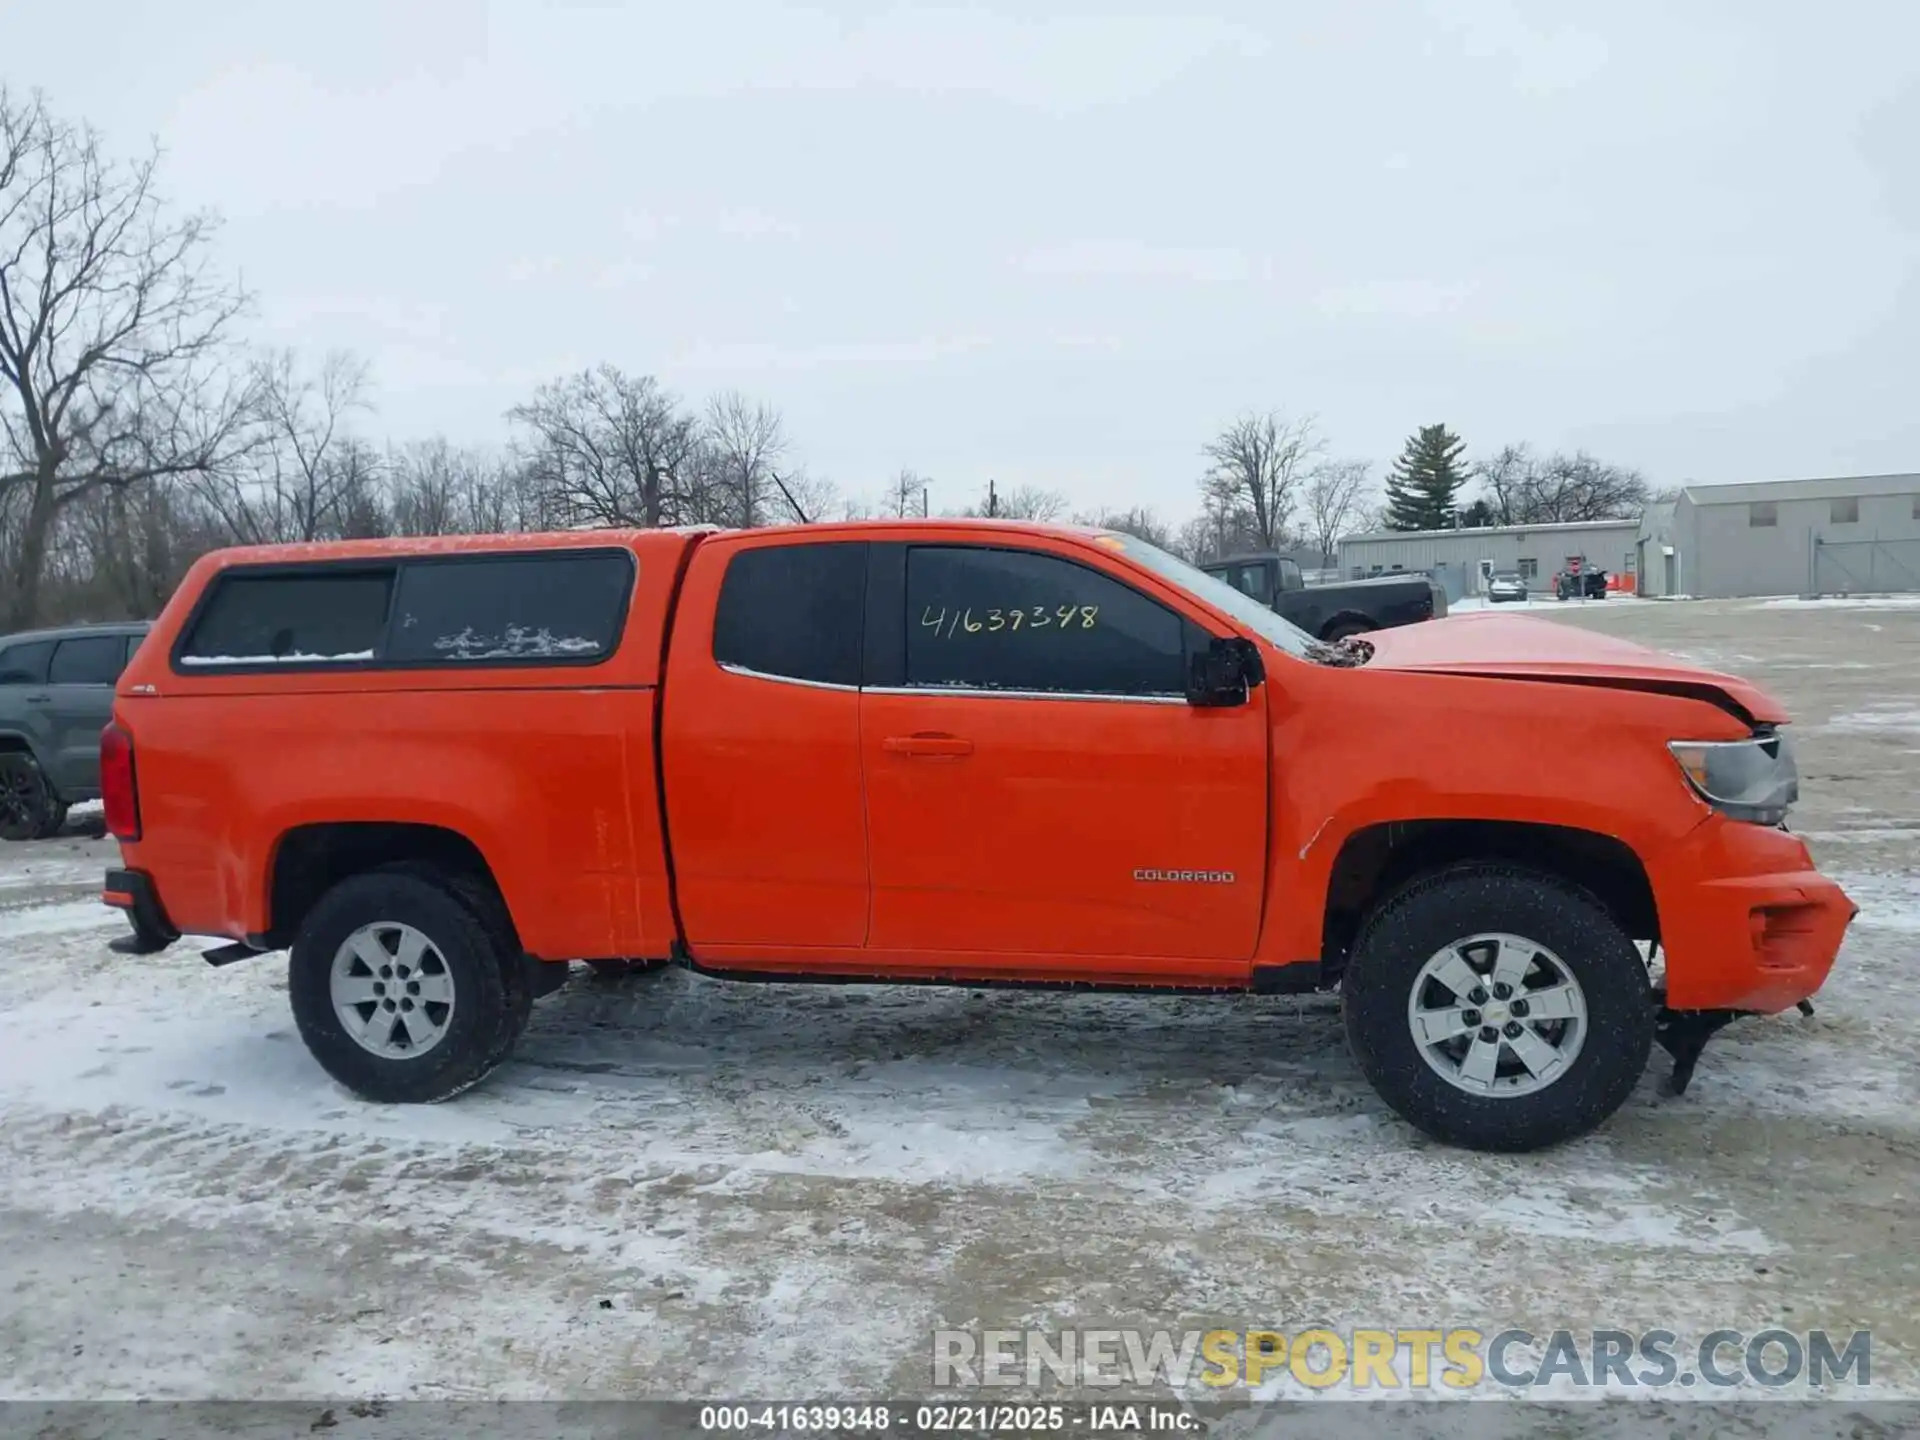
(993, 500)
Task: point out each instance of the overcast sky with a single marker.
(1062, 244)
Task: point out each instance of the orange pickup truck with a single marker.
(961, 752)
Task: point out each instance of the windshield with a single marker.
(1222, 596)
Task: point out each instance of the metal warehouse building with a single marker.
(1837, 536)
(1459, 558)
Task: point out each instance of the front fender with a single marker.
(1409, 747)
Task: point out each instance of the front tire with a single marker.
(1498, 1008)
(406, 990)
(27, 802)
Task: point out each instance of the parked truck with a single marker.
(1332, 612)
(435, 771)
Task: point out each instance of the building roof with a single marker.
(1819, 489)
(1626, 522)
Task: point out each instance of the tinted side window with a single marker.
(1015, 620)
(292, 618)
(25, 664)
(794, 611)
(88, 660)
(569, 605)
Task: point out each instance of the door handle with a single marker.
(39, 699)
(936, 745)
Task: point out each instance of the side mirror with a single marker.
(1224, 672)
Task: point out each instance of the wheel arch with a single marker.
(308, 860)
(1376, 860)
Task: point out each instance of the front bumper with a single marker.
(133, 891)
(1746, 922)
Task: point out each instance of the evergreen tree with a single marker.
(1425, 480)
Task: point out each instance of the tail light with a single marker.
(118, 794)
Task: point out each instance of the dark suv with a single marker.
(56, 695)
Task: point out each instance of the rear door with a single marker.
(760, 739)
(1036, 783)
(80, 681)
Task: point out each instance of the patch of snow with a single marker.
(1794, 662)
(1887, 902)
(1861, 835)
(297, 657)
(516, 642)
(65, 919)
(36, 873)
(1469, 604)
(1885, 716)
(1851, 602)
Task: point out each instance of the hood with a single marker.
(1518, 647)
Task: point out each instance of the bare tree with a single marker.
(1526, 489)
(1139, 522)
(907, 498)
(1580, 487)
(1336, 494)
(359, 480)
(611, 448)
(300, 473)
(128, 546)
(1255, 466)
(805, 498)
(1018, 502)
(1508, 477)
(425, 479)
(1223, 527)
(746, 440)
(109, 325)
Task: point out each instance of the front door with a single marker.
(1036, 782)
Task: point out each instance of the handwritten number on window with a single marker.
(948, 623)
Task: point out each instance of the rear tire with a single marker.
(26, 800)
(466, 992)
(1582, 964)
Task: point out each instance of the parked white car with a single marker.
(1506, 585)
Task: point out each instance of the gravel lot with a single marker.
(692, 1189)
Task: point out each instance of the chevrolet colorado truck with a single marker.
(435, 771)
(1332, 612)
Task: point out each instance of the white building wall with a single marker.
(1535, 550)
(1735, 556)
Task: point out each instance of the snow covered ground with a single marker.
(1538, 601)
(1845, 602)
(686, 1188)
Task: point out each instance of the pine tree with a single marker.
(1425, 480)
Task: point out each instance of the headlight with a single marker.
(1752, 780)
